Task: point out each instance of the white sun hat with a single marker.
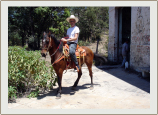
(72, 17)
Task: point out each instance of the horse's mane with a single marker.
(58, 43)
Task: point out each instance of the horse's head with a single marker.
(49, 42)
(45, 44)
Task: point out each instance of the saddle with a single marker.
(80, 53)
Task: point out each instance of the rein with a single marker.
(55, 52)
(60, 57)
(51, 46)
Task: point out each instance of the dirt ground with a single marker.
(114, 88)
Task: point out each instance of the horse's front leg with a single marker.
(59, 68)
(60, 87)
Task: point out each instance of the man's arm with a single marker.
(73, 39)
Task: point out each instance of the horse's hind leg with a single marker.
(91, 75)
(77, 80)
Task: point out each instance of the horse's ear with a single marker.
(44, 33)
(49, 33)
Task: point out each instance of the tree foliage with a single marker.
(28, 23)
(60, 25)
(92, 21)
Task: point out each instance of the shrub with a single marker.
(12, 92)
(26, 70)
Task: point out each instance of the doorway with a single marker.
(124, 30)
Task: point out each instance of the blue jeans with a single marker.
(124, 60)
(72, 49)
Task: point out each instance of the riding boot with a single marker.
(77, 68)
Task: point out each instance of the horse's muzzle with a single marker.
(43, 54)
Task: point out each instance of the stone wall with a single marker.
(140, 37)
(112, 26)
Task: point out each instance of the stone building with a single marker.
(131, 23)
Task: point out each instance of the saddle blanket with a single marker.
(80, 52)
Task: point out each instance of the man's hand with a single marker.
(63, 40)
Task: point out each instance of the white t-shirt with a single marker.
(72, 31)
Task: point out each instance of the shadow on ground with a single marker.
(126, 75)
(65, 90)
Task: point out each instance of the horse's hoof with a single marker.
(73, 88)
(91, 87)
(58, 96)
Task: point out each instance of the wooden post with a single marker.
(97, 46)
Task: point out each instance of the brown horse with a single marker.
(50, 44)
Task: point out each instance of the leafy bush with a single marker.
(12, 92)
(26, 70)
(34, 93)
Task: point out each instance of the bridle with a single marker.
(49, 47)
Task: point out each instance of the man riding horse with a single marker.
(58, 59)
(72, 39)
